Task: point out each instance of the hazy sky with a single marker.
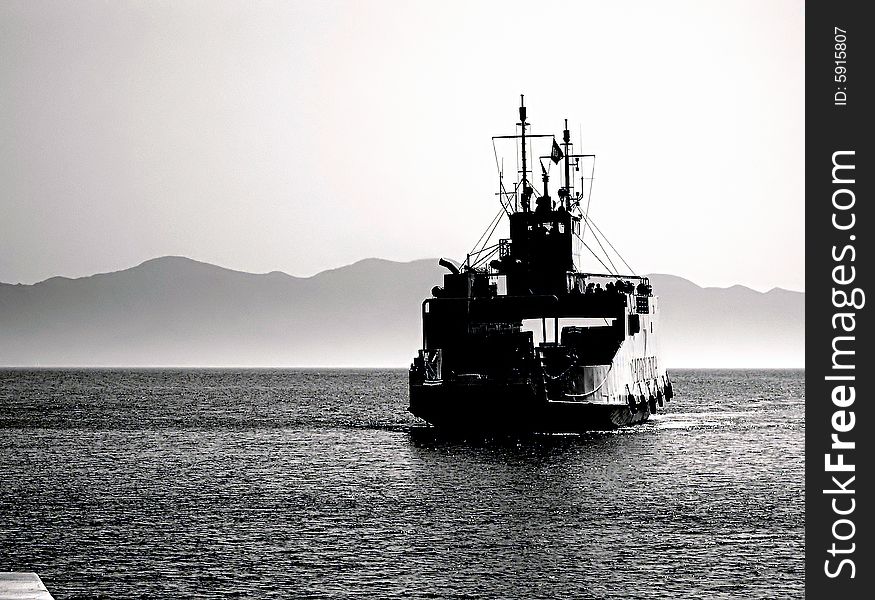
(300, 136)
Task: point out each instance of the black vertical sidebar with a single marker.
(839, 366)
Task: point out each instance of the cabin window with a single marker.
(501, 286)
(561, 227)
(537, 328)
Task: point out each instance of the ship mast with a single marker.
(566, 138)
(525, 179)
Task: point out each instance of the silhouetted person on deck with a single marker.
(527, 198)
(543, 206)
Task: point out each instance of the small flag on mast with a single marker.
(556, 153)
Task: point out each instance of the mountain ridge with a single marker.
(179, 311)
(175, 257)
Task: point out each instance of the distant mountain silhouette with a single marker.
(178, 311)
(729, 327)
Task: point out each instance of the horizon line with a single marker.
(326, 367)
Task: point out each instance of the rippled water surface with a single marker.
(305, 484)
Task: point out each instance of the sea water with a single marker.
(319, 484)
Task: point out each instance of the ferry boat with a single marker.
(518, 339)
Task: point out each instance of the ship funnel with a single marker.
(449, 266)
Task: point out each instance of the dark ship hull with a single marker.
(595, 362)
(513, 409)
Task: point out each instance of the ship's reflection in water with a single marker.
(279, 484)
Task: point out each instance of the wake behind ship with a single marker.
(518, 339)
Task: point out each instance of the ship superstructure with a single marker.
(519, 339)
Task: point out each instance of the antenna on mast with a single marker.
(566, 138)
(546, 178)
(527, 191)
